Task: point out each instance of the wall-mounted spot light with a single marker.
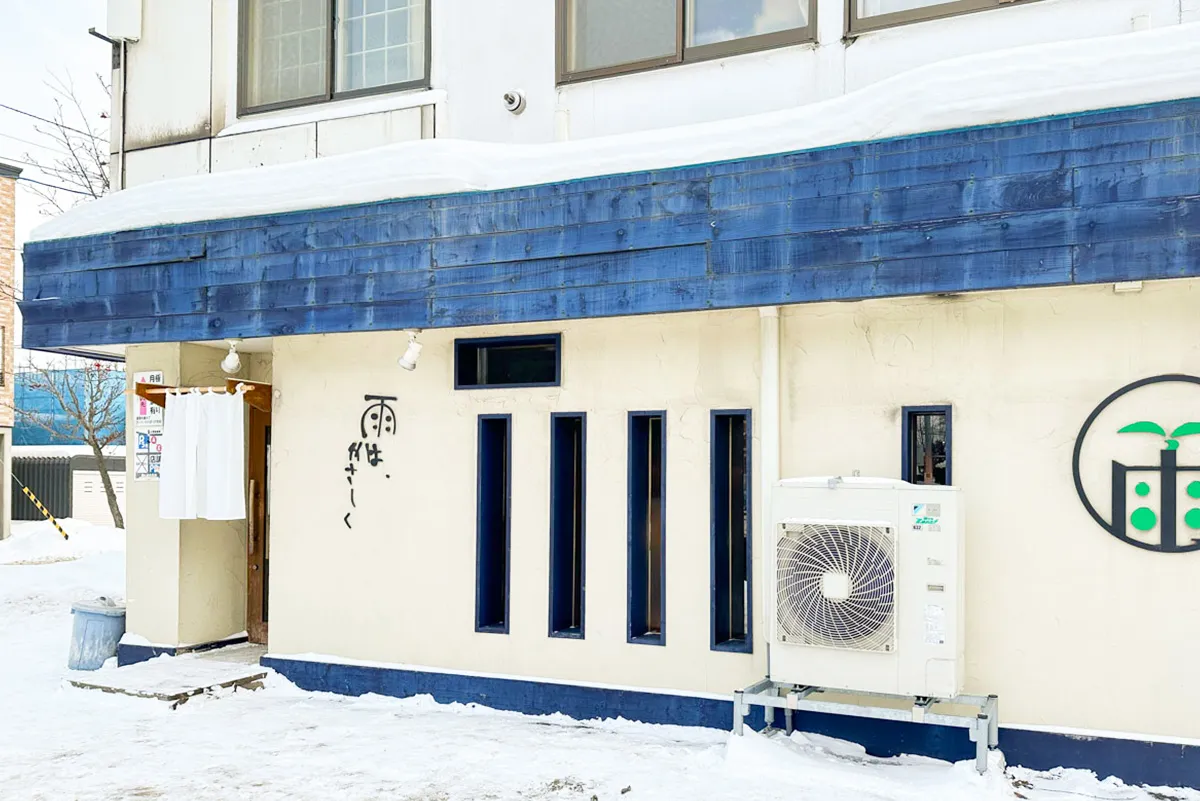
(409, 360)
(514, 101)
(232, 362)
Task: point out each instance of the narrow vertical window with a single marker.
(731, 604)
(647, 498)
(925, 457)
(567, 448)
(492, 523)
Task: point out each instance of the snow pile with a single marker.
(38, 542)
(1062, 783)
(1000, 86)
(285, 743)
(814, 766)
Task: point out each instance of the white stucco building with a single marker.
(688, 248)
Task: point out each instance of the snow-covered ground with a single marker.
(34, 543)
(58, 742)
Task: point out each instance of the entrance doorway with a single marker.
(258, 526)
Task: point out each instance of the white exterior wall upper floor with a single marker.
(181, 117)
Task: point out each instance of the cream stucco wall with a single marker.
(185, 580)
(212, 553)
(1059, 613)
(1067, 624)
(400, 585)
(151, 544)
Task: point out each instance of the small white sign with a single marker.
(147, 430)
(935, 624)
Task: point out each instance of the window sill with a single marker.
(477, 387)
(648, 639)
(568, 634)
(734, 646)
(335, 110)
(566, 81)
(886, 22)
(491, 630)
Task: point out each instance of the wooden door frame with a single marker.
(256, 526)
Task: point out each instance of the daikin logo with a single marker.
(1153, 484)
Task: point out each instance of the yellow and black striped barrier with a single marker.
(29, 494)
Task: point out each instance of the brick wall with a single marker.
(8, 222)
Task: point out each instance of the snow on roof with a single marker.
(58, 451)
(1001, 86)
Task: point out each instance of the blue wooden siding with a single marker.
(1077, 199)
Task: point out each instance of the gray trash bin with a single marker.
(99, 625)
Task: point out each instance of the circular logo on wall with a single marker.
(1137, 463)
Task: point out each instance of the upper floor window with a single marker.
(295, 52)
(866, 15)
(607, 37)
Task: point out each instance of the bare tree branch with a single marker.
(83, 143)
(89, 397)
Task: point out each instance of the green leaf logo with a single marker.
(1143, 427)
(1148, 427)
(1186, 429)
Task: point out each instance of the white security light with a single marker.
(409, 360)
(232, 362)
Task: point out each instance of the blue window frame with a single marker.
(568, 483)
(926, 445)
(647, 527)
(508, 362)
(493, 496)
(730, 521)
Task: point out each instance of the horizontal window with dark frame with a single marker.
(297, 52)
(925, 445)
(500, 362)
(597, 38)
(869, 15)
(730, 521)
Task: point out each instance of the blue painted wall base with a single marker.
(1133, 761)
(132, 654)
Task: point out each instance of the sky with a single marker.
(47, 38)
(51, 40)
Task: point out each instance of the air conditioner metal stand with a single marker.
(983, 728)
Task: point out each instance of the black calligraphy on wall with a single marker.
(376, 421)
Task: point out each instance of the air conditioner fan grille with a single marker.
(836, 585)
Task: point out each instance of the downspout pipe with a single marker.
(768, 401)
(768, 449)
(120, 65)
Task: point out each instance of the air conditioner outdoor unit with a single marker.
(865, 582)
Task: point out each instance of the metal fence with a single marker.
(51, 479)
